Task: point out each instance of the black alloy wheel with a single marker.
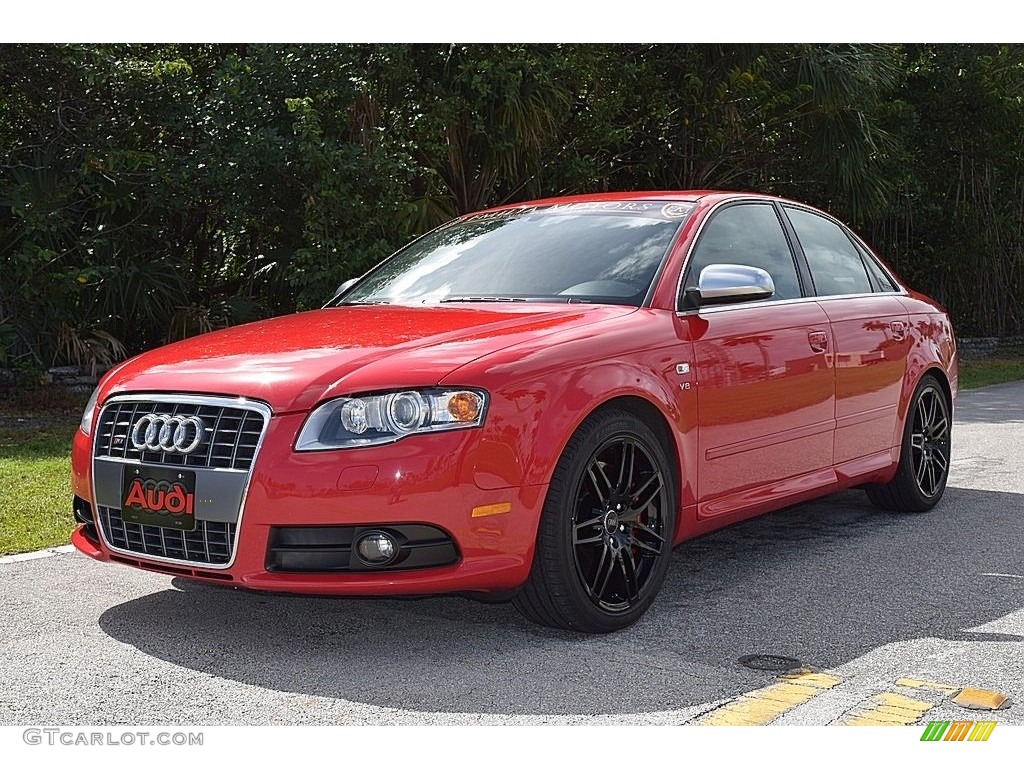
(929, 441)
(619, 524)
(605, 535)
(921, 475)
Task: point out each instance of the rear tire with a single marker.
(923, 470)
(605, 535)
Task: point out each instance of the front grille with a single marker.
(209, 543)
(230, 439)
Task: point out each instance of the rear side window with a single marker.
(749, 234)
(836, 265)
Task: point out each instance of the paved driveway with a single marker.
(879, 605)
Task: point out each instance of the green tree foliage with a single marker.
(955, 226)
(149, 192)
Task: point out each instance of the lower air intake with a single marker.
(330, 548)
(210, 543)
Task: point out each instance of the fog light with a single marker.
(376, 548)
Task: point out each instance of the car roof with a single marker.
(687, 196)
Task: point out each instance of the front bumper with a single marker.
(426, 479)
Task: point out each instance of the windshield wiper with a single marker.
(451, 299)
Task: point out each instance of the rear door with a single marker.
(870, 327)
(763, 370)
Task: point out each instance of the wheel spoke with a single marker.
(602, 493)
(939, 430)
(645, 546)
(639, 506)
(626, 463)
(638, 526)
(643, 567)
(597, 571)
(631, 588)
(629, 576)
(592, 539)
(921, 469)
(599, 593)
(932, 409)
(917, 442)
(591, 522)
(939, 457)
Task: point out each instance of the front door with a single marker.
(763, 371)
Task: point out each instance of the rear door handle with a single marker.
(899, 329)
(818, 341)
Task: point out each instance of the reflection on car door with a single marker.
(871, 331)
(763, 372)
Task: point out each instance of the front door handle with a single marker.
(818, 341)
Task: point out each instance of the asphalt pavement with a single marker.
(889, 615)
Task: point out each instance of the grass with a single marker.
(35, 489)
(993, 370)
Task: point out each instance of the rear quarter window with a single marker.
(882, 280)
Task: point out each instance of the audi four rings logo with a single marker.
(173, 434)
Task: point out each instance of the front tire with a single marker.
(605, 535)
(923, 470)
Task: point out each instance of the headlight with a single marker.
(90, 409)
(352, 422)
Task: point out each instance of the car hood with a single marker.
(292, 362)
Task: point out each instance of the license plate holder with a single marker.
(160, 496)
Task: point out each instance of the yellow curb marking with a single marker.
(903, 702)
(816, 679)
(891, 709)
(887, 708)
(865, 720)
(909, 682)
(764, 705)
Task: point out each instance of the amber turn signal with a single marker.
(464, 406)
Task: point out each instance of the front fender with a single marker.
(540, 396)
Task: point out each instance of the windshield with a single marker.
(604, 252)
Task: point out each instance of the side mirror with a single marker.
(345, 286)
(729, 284)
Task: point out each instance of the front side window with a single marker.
(749, 234)
(597, 253)
(836, 265)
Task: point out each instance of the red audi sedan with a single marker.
(534, 403)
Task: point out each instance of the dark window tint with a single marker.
(748, 234)
(836, 266)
